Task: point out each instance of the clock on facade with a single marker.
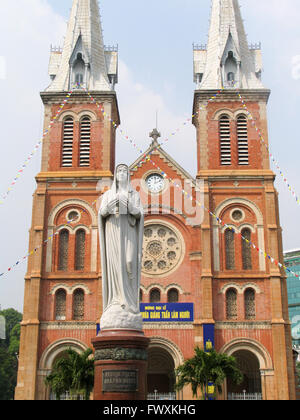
(155, 183)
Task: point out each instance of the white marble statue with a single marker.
(121, 228)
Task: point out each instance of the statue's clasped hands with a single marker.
(116, 202)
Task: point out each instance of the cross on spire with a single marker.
(155, 136)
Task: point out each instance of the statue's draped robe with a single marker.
(121, 241)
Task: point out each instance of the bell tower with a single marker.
(62, 290)
(246, 298)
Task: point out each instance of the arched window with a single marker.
(78, 69)
(80, 250)
(229, 250)
(230, 69)
(249, 302)
(78, 305)
(67, 146)
(63, 250)
(231, 304)
(230, 77)
(78, 78)
(242, 138)
(155, 296)
(85, 142)
(60, 305)
(225, 140)
(246, 249)
(173, 296)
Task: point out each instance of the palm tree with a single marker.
(205, 368)
(74, 373)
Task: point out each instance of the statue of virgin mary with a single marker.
(121, 228)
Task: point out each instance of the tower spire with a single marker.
(83, 59)
(227, 60)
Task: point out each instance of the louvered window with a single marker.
(250, 304)
(85, 142)
(231, 304)
(229, 250)
(246, 249)
(242, 137)
(80, 250)
(63, 250)
(78, 305)
(60, 305)
(225, 140)
(155, 296)
(67, 149)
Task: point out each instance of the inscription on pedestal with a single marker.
(120, 381)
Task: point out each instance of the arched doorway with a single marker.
(161, 376)
(248, 363)
(256, 363)
(54, 351)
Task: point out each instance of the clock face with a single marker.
(155, 183)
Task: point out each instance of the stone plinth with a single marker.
(120, 365)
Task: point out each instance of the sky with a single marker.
(155, 77)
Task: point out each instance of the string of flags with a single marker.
(37, 146)
(189, 196)
(147, 157)
(45, 242)
(174, 132)
(272, 157)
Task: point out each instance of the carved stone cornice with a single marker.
(68, 325)
(121, 354)
(168, 326)
(255, 325)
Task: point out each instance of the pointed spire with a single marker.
(83, 57)
(228, 60)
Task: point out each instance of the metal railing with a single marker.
(67, 396)
(203, 47)
(245, 397)
(156, 396)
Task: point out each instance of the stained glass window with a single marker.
(249, 304)
(229, 250)
(246, 250)
(173, 296)
(80, 250)
(231, 304)
(60, 305)
(155, 296)
(63, 250)
(78, 305)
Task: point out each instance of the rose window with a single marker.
(162, 249)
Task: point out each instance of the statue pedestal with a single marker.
(120, 365)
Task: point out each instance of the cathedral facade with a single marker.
(206, 280)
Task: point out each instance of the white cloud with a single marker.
(28, 28)
(138, 106)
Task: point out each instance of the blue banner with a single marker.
(208, 337)
(167, 312)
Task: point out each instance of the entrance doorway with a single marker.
(161, 375)
(250, 388)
